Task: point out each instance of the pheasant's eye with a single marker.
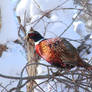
(31, 34)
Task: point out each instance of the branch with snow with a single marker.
(64, 77)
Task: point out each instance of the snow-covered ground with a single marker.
(12, 62)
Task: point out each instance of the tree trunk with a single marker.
(31, 69)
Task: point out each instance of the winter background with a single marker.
(14, 58)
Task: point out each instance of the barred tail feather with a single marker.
(86, 65)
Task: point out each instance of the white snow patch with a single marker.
(79, 27)
(9, 31)
(12, 60)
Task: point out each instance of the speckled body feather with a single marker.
(59, 52)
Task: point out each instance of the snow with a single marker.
(12, 62)
(13, 59)
(83, 24)
(22, 7)
(38, 7)
(9, 25)
(37, 10)
(79, 27)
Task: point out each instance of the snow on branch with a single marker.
(82, 79)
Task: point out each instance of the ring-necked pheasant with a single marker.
(57, 51)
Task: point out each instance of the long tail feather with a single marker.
(85, 65)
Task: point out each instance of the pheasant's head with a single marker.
(34, 35)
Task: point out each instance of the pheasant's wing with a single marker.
(65, 51)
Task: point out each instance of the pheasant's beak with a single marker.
(26, 37)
